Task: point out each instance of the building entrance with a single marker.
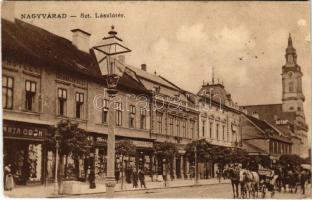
(25, 158)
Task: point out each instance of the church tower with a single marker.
(292, 97)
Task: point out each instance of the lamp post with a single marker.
(165, 171)
(195, 160)
(111, 70)
(57, 146)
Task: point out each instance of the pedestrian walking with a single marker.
(135, 179)
(219, 175)
(142, 178)
(117, 174)
(303, 179)
(8, 178)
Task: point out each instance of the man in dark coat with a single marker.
(303, 179)
(142, 178)
(135, 179)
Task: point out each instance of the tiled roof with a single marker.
(30, 44)
(151, 77)
(268, 111)
(268, 129)
(253, 148)
(261, 124)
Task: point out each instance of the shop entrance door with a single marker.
(178, 168)
(25, 158)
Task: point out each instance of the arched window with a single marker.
(291, 87)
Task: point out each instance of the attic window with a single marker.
(291, 108)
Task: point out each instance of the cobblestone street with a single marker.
(206, 191)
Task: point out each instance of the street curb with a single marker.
(143, 189)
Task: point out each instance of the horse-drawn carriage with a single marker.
(267, 181)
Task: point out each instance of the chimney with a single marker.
(255, 115)
(143, 67)
(122, 59)
(81, 39)
(8, 11)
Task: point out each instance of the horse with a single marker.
(233, 174)
(249, 181)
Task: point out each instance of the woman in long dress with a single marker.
(8, 181)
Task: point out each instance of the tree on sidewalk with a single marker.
(124, 148)
(202, 149)
(166, 151)
(291, 160)
(72, 143)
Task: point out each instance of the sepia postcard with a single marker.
(156, 99)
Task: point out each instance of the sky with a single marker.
(243, 41)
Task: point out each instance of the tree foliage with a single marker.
(125, 148)
(290, 159)
(214, 153)
(72, 140)
(165, 150)
(203, 149)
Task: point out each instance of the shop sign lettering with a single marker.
(101, 140)
(281, 122)
(13, 131)
(145, 144)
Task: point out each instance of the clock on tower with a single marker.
(293, 97)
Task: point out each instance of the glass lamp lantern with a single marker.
(105, 52)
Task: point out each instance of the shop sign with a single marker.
(144, 144)
(281, 122)
(23, 132)
(100, 140)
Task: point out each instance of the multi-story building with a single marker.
(47, 78)
(174, 117)
(219, 121)
(289, 115)
(262, 138)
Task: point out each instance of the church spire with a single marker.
(290, 48)
(290, 41)
(291, 54)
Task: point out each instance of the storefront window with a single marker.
(26, 160)
(100, 164)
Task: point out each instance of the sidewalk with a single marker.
(48, 191)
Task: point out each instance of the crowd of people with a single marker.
(132, 176)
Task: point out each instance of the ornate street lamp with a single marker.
(111, 69)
